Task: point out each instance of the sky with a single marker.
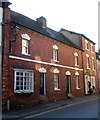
(79, 16)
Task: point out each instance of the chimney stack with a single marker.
(42, 21)
(4, 3)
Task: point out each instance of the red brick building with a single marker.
(88, 58)
(40, 62)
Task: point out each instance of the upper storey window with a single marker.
(87, 61)
(25, 44)
(55, 53)
(92, 47)
(76, 59)
(93, 63)
(86, 45)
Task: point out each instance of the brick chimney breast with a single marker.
(42, 21)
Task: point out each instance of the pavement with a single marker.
(21, 113)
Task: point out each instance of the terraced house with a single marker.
(40, 63)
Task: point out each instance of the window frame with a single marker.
(55, 53)
(92, 48)
(76, 59)
(56, 81)
(77, 82)
(93, 82)
(86, 45)
(31, 81)
(87, 61)
(26, 47)
(93, 64)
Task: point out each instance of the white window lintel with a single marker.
(77, 73)
(56, 70)
(42, 70)
(68, 73)
(25, 36)
(75, 54)
(55, 47)
(87, 55)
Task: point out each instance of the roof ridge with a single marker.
(62, 29)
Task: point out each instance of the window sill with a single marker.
(77, 65)
(25, 54)
(87, 49)
(88, 68)
(23, 91)
(92, 52)
(57, 89)
(56, 61)
(77, 88)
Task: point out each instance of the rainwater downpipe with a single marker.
(3, 38)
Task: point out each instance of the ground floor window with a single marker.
(77, 82)
(55, 81)
(23, 81)
(93, 82)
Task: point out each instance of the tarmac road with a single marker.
(86, 109)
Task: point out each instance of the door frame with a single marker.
(69, 83)
(42, 70)
(87, 78)
(44, 83)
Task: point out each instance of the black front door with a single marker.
(42, 83)
(68, 84)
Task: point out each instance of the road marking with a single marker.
(58, 108)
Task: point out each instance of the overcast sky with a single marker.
(80, 16)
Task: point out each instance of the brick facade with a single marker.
(90, 71)
(40, 55)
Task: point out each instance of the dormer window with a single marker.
(86, 45)
(55, 53)
(76, 59)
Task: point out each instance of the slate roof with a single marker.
(60, 37)
(62, 29)
(24, 21)
(27, 22)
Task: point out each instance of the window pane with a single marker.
(24, 50)
(88, 65)
(24, 46)
(56, 81)
(93, 67)
(17, 87)
(76, 60)
(24, 42)
(17, 73)
(24, 81)
(55, 55)
(77, 82)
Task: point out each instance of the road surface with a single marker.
(86, 109)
